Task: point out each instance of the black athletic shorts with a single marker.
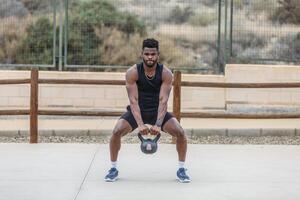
(148, 118)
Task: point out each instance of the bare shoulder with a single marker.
(132, 73)
(167, 74)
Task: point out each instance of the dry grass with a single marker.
(12, 32)
(260, 26)
(172, 54)
(119, 48)
(189, 32)
(13, 26)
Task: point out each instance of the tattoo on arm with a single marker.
(163, 100)
(159, 122)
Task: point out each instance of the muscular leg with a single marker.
(173, 127)
(122, 128)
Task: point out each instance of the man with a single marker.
(148, 86)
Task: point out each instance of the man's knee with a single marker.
(117, 132)
(180, 133)
(120, 129)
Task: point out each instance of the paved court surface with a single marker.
(218, 172)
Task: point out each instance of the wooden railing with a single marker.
(34, 82)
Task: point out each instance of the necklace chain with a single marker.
(149, 77)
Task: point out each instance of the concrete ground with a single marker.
(218, 172)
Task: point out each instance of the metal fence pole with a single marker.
(231, 26)
(219, 37)
(60, 35)
(66, 24)
(225, 33)
(54, 32)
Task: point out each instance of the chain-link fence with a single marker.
(27, 33)
(194, 35)
(111, 32)
(265, 30)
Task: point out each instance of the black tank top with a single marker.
(148, 88)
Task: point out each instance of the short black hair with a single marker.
(150, 43)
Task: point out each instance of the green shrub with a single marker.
(94, 39)
(34, 6)
(287, 12)
(180, 15)
(102, 13)
(250, 40)
(130, 24)
(37, 46)
(287, 48)
(82, 43)
(86, 18)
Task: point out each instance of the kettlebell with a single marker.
(148, 146)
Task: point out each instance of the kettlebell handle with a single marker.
(156, 138)
(142, 138)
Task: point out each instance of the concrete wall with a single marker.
(265, 99)
(95, 97)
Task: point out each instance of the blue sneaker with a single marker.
(112, 175)
(182, 177)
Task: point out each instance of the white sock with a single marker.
(181, 164)
(114, 164)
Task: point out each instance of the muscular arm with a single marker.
(132, 91)
(164, 96)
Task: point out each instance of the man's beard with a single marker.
(152, 65)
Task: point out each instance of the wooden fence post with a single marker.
(34, 105)
(176, 98)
